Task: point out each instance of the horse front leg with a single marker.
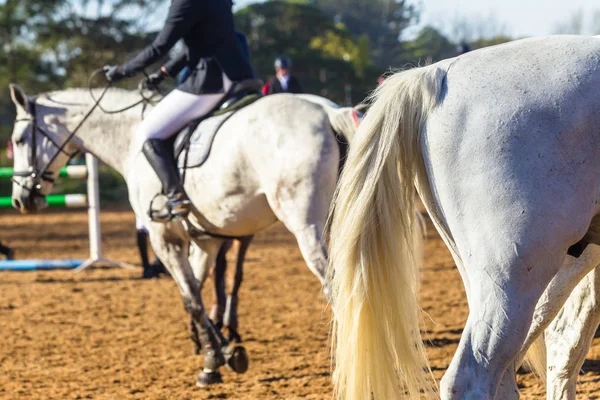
(202, 255)
(173, 251)
(231, 310)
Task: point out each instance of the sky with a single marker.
(518, 18)
(521, 17)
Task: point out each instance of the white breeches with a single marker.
(173, 112)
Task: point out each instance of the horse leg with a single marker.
(218, 307)
(173, 251)
(505, 287)
(572, 271)
(507, 388)
(200, 262)
(231, 313)
(202, 255)
(569, 337)
(304, 216)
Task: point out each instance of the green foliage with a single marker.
(429, 46)
(325, 55)
(382, 21)
(481, 43)
(51, 44)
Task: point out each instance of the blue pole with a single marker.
(37, 265)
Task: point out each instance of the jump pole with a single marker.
(92, 200)
(93, 189)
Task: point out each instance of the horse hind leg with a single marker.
(219, 305)
(231, 310)
(569, 337)
(502, 296)
(304, 212)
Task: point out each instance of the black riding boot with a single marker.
(160, 156)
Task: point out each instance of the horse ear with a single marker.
(20, 99)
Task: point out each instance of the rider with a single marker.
(283, 81)
(216, 59)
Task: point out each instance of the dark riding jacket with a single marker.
(274, 86)
(207, 30)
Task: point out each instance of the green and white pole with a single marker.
(55, 200)
(92, 200)
(71, 171)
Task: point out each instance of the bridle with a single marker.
(43, 173)
(36, 173)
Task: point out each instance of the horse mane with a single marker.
(74, 97)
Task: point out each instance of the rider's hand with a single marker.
(114, 73)
(155, 78)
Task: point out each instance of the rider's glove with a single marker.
(155, 78)
(114, 73)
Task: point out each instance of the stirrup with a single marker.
(163, 209)
(179, 207)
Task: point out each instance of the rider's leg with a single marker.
(170, 115)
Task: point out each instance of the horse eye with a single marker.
(20, 141)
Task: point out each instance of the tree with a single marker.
(50, 44)
(429, 46)
(325, 55)
(382, 21)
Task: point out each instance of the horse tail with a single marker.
(374, 247)
(535, 358)
(344, 121)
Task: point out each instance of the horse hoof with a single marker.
(238, 361)
(208, 378)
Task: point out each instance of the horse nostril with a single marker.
(16, 204)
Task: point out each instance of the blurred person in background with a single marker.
(283, 81)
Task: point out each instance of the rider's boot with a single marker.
(160, 156)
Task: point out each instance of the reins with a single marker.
(44, 173)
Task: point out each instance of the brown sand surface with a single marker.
(105, 334)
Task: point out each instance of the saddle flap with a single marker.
(201, 137)
(200, 134)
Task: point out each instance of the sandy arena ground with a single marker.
(105, 334)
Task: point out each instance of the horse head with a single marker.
(38, 153)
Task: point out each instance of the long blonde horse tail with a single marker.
(535, 358)
(374, 247)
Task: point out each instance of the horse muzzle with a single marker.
(29, 202)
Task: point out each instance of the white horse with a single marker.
(276, 159)
(503, 147)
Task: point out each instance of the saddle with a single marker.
(192, 144)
